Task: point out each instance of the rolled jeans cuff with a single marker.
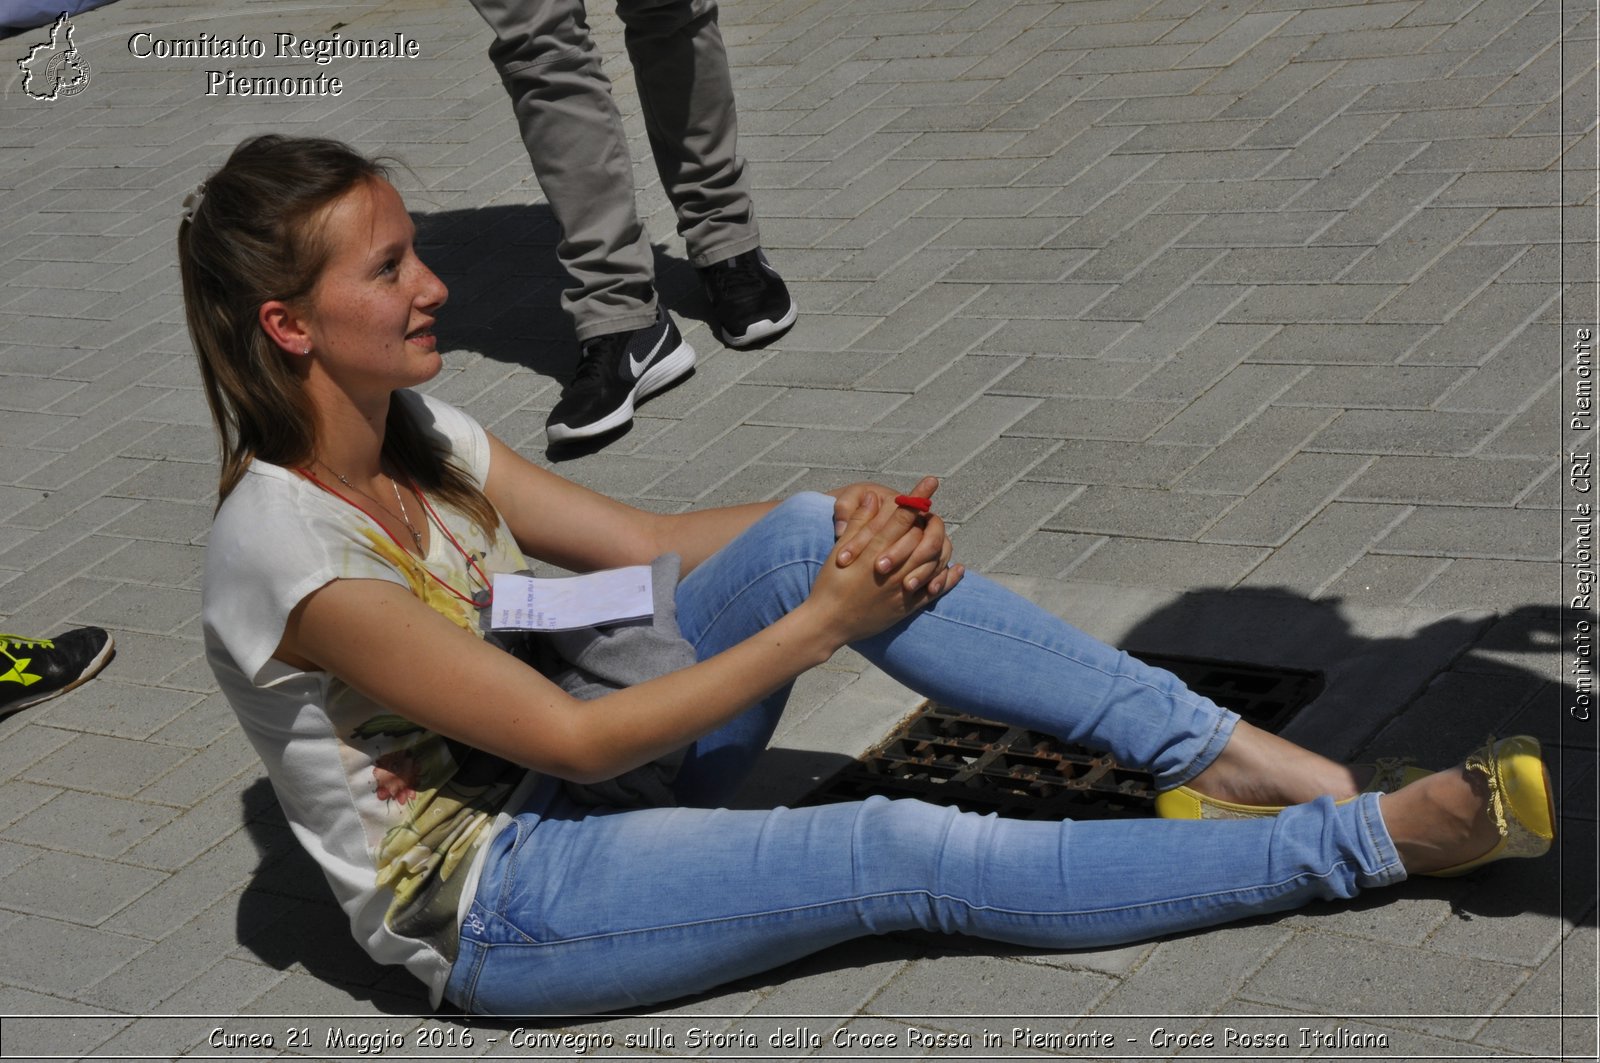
(1221, 734)
(1380, 860)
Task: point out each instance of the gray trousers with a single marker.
(574, 136)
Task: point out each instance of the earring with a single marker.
(306, 349)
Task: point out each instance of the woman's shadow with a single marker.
(288, 918)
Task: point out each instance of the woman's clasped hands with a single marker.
(910, 559)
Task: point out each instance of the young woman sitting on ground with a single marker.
(456, 797)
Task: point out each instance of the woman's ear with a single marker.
(285, 327)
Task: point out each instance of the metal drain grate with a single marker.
(978, 765)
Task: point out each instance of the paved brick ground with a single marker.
(1265, 301)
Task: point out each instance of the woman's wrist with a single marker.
(805, 630)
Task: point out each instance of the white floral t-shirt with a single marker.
(396, 816)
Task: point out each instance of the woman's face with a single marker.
(372, 310)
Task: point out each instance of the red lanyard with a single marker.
(481, 600)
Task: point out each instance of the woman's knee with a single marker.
(810, 512)
(762, 574)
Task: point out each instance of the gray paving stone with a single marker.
(19, 799)
(1407, 432)
(89, 824)
(115, 767)
(1121, 232)
(158, 610)
(1115, 463)
(839, 981)
(1075, 338)
(1236, 40)
(1455, 713)
(1344, 19)
(83, 890)
(1252, 453)
(163, 521)
(970, 429)
(1325, 547)
(1301, 975)
(1459, 481)
(841, 449)
(1287, 228)
(1153, 563)
(1176, 324)
(217, 872)
(1478, 330)
(1017, 988)
(1451, 281)
(1166, 983)
(1327, 152)
(1232, 401)
(1374, 387)
(1202, 362)
(989, 472)
(1052, 553)
(1511, 374)
(1472, 583)
(1016, 514)
(1460, 531)
(42, 1038)
(1066, 377)
(1086, 418)
(226, 987)
(1140, 513)
(1281, 265)
(725, 457)
(1286, 500)
(1154, 283)
(1525, 1021)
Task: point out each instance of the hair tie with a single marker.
(192, 201)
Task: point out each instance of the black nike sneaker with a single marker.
(614, 372)
(35, 670)
(749, 300)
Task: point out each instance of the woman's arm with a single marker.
(566, 524)
(384, 642)
(563, 523)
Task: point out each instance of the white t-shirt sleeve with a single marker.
(278, 537)
(273, 543)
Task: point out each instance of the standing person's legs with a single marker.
(580, 910)
(979, 648)
(686, 91)
(575, 139)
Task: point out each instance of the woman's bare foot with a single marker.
(1441, 821)
(1257, 767)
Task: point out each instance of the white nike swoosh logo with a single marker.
(636, 367)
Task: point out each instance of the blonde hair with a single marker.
(251, 239)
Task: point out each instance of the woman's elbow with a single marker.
(570, 753)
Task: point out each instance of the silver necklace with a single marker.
(405, 517)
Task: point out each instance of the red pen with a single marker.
(921, 505)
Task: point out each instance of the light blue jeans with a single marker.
(583, 909)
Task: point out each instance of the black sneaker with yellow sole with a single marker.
(35, 670)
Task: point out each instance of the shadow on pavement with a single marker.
(505, 284)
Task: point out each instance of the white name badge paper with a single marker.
(523, 603)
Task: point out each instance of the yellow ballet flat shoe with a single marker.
(1388, 775)
(1520, 800)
